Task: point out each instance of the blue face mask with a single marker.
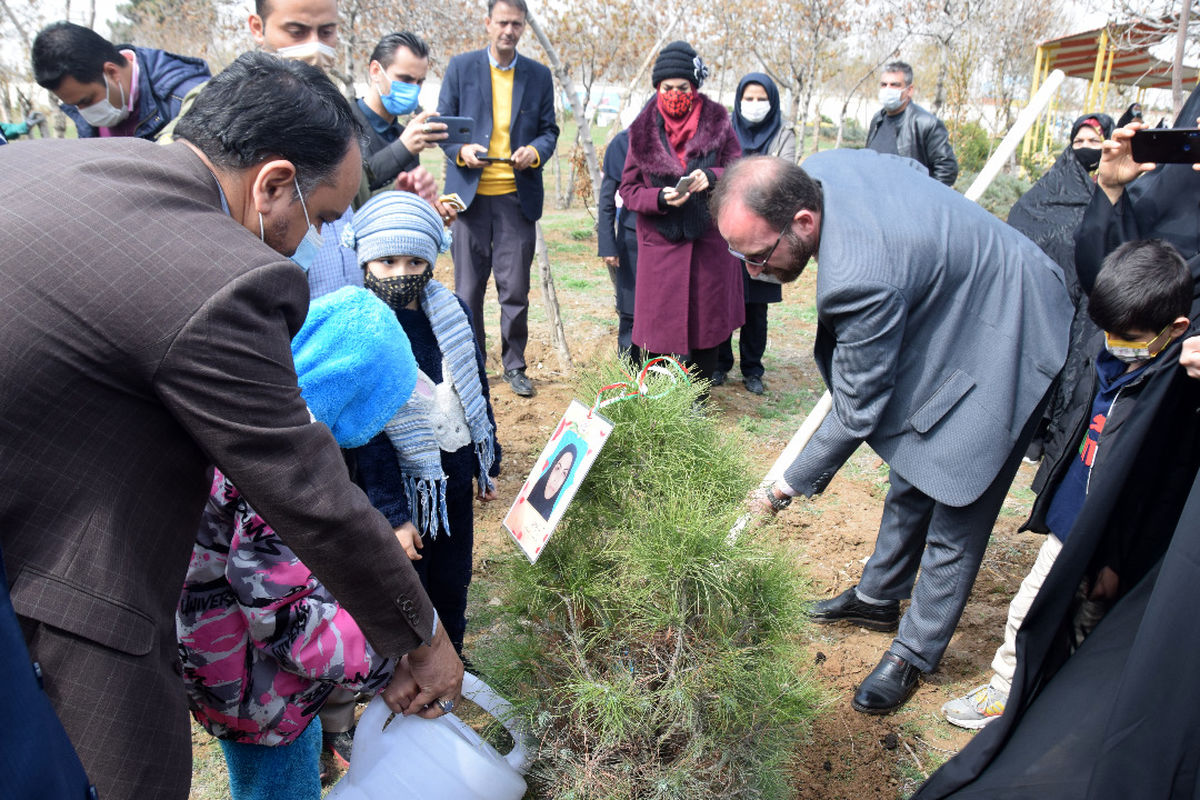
(310, 245)
(402, 99)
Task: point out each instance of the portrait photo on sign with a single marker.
(556, 476)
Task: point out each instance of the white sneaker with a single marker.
(976, 709)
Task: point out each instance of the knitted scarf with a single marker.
(411, 436)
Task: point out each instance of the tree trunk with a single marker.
(1177, 65)
(583, 130)
(798, 126)
(557, 335)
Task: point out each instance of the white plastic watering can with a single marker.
(438, 759)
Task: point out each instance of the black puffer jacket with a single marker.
(922, 137)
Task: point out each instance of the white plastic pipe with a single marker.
(1009, 143)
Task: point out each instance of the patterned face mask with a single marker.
(400, 290)
(675, 104)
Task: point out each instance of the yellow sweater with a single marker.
(498, 179)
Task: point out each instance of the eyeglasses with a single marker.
(759, 262)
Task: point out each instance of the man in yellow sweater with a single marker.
(499, 176)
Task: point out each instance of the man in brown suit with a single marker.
(145, 322)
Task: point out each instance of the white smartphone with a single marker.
(683, 185)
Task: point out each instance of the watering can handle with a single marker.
(486, 698)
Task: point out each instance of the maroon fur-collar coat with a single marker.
(689, 288)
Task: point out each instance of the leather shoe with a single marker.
(887, 687)
(520, 384)
(754, 384)
(846, 607)
(718, 378)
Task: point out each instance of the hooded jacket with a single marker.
(163, 80)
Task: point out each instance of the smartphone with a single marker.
(494, 160)
(684, 183)
(460, 129)
(1166, 145)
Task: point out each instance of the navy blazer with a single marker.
(467, 92)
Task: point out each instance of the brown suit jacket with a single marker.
(144, 335)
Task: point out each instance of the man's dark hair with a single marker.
(1142, 286)
(901, 67)
(262, 8)
(64, 49)
(261, 107)
(518, 5)
(771, 188)
(385, 51)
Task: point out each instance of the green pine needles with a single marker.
(652, 658)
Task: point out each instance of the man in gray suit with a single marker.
(939, 331)
(146, 314)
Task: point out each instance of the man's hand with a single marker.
(523, 157)
(1117, 167)
(612, 262)
(469, 154)
(410, 540)
(487, 495)
(420, 133)
(418, 181)
(449, 213)
(1189, 358)
(438, 673)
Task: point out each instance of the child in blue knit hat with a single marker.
(263, 642)
(440, 450)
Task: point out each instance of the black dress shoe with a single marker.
(846, 607)
(717, 378)
(519, 382)
(887, 687)
(754, 384)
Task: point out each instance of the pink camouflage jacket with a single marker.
(263, 642)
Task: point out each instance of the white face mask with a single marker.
(104, 114)
(890, 98)
(316, 53)
(755, 111)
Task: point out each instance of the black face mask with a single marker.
(1088, 157)
(400, 290)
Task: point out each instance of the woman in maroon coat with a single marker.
(689, 288)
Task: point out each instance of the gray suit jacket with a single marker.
(144, 335)
(940, 328)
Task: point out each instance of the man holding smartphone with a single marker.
(498, 175)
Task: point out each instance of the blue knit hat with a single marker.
(354, 363)
(396, 224)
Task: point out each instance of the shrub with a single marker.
(972, 146)
(652, 658)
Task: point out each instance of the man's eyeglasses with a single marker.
(759, 261)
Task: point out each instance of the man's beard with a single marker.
(801, 254)
(274, 234)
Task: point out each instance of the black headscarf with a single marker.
(755, 138)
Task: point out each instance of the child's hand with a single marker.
(410, 540)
